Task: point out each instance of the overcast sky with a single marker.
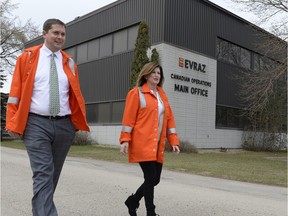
(67, 11)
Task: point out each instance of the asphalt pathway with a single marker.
(96, 188)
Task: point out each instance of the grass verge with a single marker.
(255, 167)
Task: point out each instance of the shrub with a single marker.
(83, 138)
(263, 141)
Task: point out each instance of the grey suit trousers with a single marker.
(47, 143)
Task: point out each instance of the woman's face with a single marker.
(154, 77)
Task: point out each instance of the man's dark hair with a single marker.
(48, 24)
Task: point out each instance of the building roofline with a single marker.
(113, 4)
(85, 16)
(240, 18)
(92, 13)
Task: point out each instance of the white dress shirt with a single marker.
(40, 96)
(160, 112)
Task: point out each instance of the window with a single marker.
(106, 46)
(82, 53)
(92, 113)
(117, 42)
(72, 52)
(98, 113)
(262, 63)
(222, 49)
(132, 36)
(245, 58)
(117, 111)
(233, 54)
(105, 113)
(93, 49)
(120, 41)
(227, 117)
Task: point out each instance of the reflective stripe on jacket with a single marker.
(140, 125)
(19, 100)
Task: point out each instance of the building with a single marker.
(201, 46)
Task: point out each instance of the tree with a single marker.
(140, 52)
(155, 56)
(273, 12)
(263, 90)
(4, 98)
(13, 36)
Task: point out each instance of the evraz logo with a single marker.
(181, 62)
(186, 63)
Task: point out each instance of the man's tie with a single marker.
(54, 88)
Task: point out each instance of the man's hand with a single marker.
(13, 134)
(176, 149)
(124, 148)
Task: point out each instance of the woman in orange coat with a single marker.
(148, 120)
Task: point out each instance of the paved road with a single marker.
(97, 188)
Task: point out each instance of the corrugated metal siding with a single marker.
(119, 16)
(107, 79)
(195, 24)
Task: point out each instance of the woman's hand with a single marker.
(124, 148)
(176, 149)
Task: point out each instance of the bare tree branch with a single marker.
(274, 12)
(263, 89)
(13, 36)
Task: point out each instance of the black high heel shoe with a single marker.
(132, 205)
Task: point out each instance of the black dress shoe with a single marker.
(132, 205)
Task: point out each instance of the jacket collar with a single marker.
(146, 89)
(36, 49)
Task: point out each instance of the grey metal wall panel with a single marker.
(195, 24)
(106, 79)
(121, 15)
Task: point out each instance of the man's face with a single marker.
(55, 37)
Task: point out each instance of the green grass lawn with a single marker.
(255, 167)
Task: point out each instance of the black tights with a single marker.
(152, 173)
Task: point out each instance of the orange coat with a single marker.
(140, 126)
(19, 100)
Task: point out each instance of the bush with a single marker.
(185, 147)
(83, 138)
(263, 141)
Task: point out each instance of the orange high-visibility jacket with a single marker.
(19, 100)
(140, 125)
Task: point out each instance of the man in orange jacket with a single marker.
(47, 136)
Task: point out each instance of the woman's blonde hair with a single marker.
(148, 69)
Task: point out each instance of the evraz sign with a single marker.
(195, 66)
(186, 63)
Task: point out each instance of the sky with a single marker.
(39, 11)
(69, 10)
